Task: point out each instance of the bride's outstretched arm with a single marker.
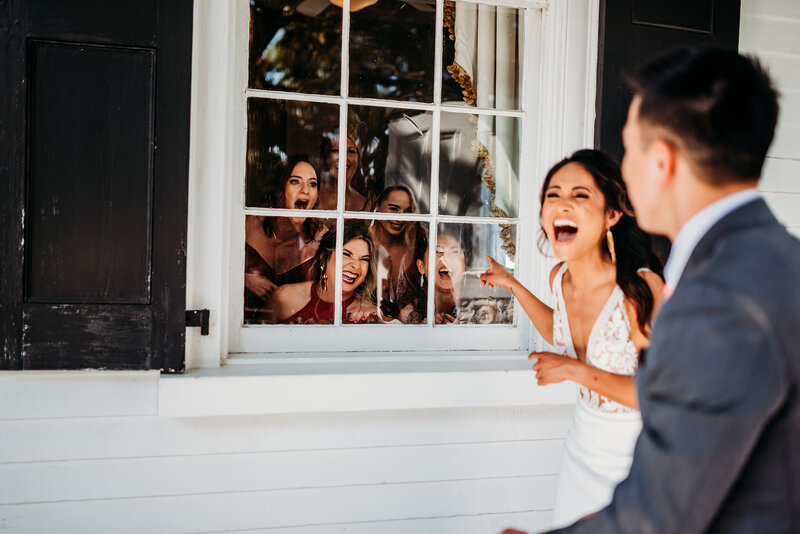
(551, 368)
(540, 313)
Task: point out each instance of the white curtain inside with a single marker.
(486, 58)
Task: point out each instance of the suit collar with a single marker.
(695, 228)
(746, 217)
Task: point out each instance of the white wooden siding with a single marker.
(446, 470)
(770, 30)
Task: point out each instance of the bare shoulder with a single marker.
(289, 298)
(554, 272)
(653, 281)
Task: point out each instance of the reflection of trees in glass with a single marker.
(391, 52)
(277, 129)
(292, 51)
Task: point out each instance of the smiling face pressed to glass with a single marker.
(301, 188)
(574, 213)
(450, 263)
(355, 266)
(396, 201)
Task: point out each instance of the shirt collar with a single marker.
(695, 228)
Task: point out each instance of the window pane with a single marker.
(400, 247)
(394, 147)
(278, 131)
(482, 55)
(460, 259)
(295, 48)
(358, 273)
(281, 271)
(392, 49)
(479, 165)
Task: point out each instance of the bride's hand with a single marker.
(551, 368)
(496, 275)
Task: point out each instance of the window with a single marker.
(430, 97)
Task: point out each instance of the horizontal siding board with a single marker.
(785, 144)
(768, 34)
(478, 524)
(785, 206)
(774, 8)
(282, 509)
(781, 176)
(135, 437)
(784, 69)
(227, 473)
(54, 394)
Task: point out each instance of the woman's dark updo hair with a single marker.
(274, 197)
(632, 245)
(327, 249)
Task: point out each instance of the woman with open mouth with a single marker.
(394, 243)
(450, 266)
(278, 250)
(604, 291)
(312, 302)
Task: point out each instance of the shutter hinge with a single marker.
(198, 318)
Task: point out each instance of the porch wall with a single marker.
(769, 29)
(94, 456)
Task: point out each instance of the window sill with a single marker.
(276, 384)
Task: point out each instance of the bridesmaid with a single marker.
(278, 250)
(312, 302)
(604, 291)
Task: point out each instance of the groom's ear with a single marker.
(663, 158)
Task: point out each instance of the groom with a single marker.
(719, 388)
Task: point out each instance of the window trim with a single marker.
(563, 111)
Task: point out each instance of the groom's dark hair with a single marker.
(716, 106)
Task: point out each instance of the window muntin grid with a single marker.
(437, 208)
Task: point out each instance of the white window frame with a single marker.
(559, 98)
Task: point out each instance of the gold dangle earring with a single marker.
(324, 281)
(610, 241)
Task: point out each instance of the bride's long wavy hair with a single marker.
(633, 247)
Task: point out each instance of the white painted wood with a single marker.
(284, 508)
(785, 143)
(781, 176)
(210, 392)
(222, 473)
(786, 207)
(44, 440)
(478, 523)
(210, 162)
(770, 34)
(772, 8)
(50, 394)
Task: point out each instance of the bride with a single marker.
(604, 291)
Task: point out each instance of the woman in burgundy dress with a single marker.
(312, 302)
(278, 250)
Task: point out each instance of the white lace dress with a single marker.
(599, 446)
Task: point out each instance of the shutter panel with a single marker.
(96, 174)
(631, 31)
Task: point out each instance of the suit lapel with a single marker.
(751, 215)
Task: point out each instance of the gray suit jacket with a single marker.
(719, 392)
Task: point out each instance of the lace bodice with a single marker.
(609, 348)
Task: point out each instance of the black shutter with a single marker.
(632, 31)
(94, 170)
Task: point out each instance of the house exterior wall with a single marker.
(92, 452)
(93, 455)
(769, 29)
